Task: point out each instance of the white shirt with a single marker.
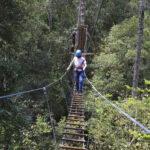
(78, 61)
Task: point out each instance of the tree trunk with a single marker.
(6, 59)
(96, 17)
(82, 12)
(139, 46)
(49, 13)
(49, 19)
(81, 19)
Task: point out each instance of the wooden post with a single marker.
(82, 37)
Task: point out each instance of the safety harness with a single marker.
(80, 66)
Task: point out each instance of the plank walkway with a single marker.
(74, 136)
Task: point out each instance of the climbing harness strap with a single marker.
(80, 66)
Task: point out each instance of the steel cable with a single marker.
(125, 114)
(33, 90)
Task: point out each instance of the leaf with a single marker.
(147, 82)
(128, 87)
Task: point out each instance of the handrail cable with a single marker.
(33, 90)
(125, 114)
(56, 80)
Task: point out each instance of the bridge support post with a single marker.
(50, 117)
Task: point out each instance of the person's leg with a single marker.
(81, 77)
(73, 42)
(77, 80)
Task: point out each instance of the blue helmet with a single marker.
(78, 52)
(75, 29)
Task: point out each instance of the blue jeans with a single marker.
(79, 76)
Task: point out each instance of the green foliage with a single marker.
(35, 36)
(32, 57)
(111, 130)
(114, 66)
(38, 136)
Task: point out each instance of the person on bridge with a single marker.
(80, 65)
(74, 32)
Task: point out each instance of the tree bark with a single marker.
(49, 13)
(82, 12)
(139, 46)
(96, 17)
(49, 19)
(81, 19)
(78, 24)
(6, 59)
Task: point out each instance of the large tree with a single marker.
(139, 47)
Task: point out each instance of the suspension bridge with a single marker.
(74, 135)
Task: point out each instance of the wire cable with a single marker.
(125, 114)
(33, 90)
(59, 79)
(20, 93)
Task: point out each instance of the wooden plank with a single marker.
(75, 124)
(75, 134)
(71, 147)
(77, 113)
(77, 104)
(77, 109)
(70, 128)
(74, 140)
(76, 120)
(76, 116)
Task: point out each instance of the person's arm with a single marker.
(70, 65)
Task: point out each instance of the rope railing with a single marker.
(50, 117)
(44, 89)
(33, 90)
(125, 114)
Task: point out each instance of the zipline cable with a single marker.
(125, 114)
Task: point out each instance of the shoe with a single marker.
(76, 93)
(80, 94)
